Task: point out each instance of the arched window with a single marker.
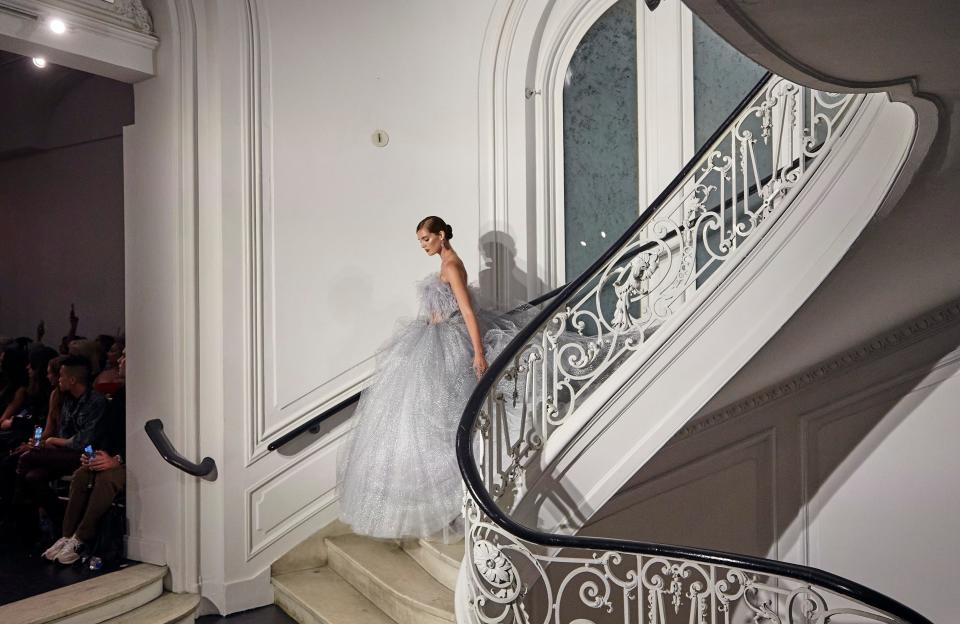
(623, 137)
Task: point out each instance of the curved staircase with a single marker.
(618, 361)
(368, 581)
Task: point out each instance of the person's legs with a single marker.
(37, 467)
(80, 489)
(34, 471)
(107, 484)
(81, 486)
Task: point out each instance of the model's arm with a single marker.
(458, 284)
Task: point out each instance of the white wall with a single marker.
(61, 214)
(845, 467)
(305, 245)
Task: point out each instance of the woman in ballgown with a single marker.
(398, 475)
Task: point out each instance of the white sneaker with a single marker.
(70, 552)
(51, 553)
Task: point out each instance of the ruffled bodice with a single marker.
(436, 298)
(437, 301)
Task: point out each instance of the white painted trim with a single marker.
(882, 346)
(145, 550)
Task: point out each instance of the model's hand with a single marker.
(480, 365)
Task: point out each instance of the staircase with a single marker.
(132, 595)
(613, 365)
(368, 581)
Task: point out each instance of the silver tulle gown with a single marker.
(398, 475)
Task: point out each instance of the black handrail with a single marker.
(313, 425)
(206, 469)
(474, 482)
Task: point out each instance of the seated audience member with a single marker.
(104, 343)
(89, 349)
(14, 380)
(95, 484)
(80, 417)
(110, 379)
(8, 464)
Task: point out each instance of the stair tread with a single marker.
(81, 596)
(166, 609)
(396, 571)
(329, 598)
(453, 553)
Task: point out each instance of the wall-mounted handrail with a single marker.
(206, 469)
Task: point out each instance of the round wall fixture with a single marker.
(380, 138)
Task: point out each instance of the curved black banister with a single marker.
(477, 489)
(206, 469)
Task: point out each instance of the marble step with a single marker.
(167, 609)
(90, 602)
(391, 579)
(441, 561)
(321, 596)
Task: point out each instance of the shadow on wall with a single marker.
(503, 284)
(801, 476)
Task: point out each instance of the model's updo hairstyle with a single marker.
(435, 225)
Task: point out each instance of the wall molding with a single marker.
(915, 331)
(259, 244)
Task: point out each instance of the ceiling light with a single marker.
(40, 62)
(58, 26)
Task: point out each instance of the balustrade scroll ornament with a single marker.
(741, 182)
(725, 201)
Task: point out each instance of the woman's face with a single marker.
(52, 376)
(430, 242)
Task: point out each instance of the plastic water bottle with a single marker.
(37, 434)
(96, 563)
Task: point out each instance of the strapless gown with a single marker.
(397, 475)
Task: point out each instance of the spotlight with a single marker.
(583, 243)
(58, 26)
(40, 62)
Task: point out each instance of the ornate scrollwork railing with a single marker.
(679, 249)
(682, 245)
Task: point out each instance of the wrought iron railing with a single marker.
(652, 277)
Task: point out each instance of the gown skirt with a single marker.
(397, 475)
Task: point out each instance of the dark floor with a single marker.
(263, 615)
(24, 573)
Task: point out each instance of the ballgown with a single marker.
(397, 475)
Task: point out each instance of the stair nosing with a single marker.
(166, 595)
(408, 600)
(280, 586)
(80, 607)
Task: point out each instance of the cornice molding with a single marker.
(910, 333)
(126, 19)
